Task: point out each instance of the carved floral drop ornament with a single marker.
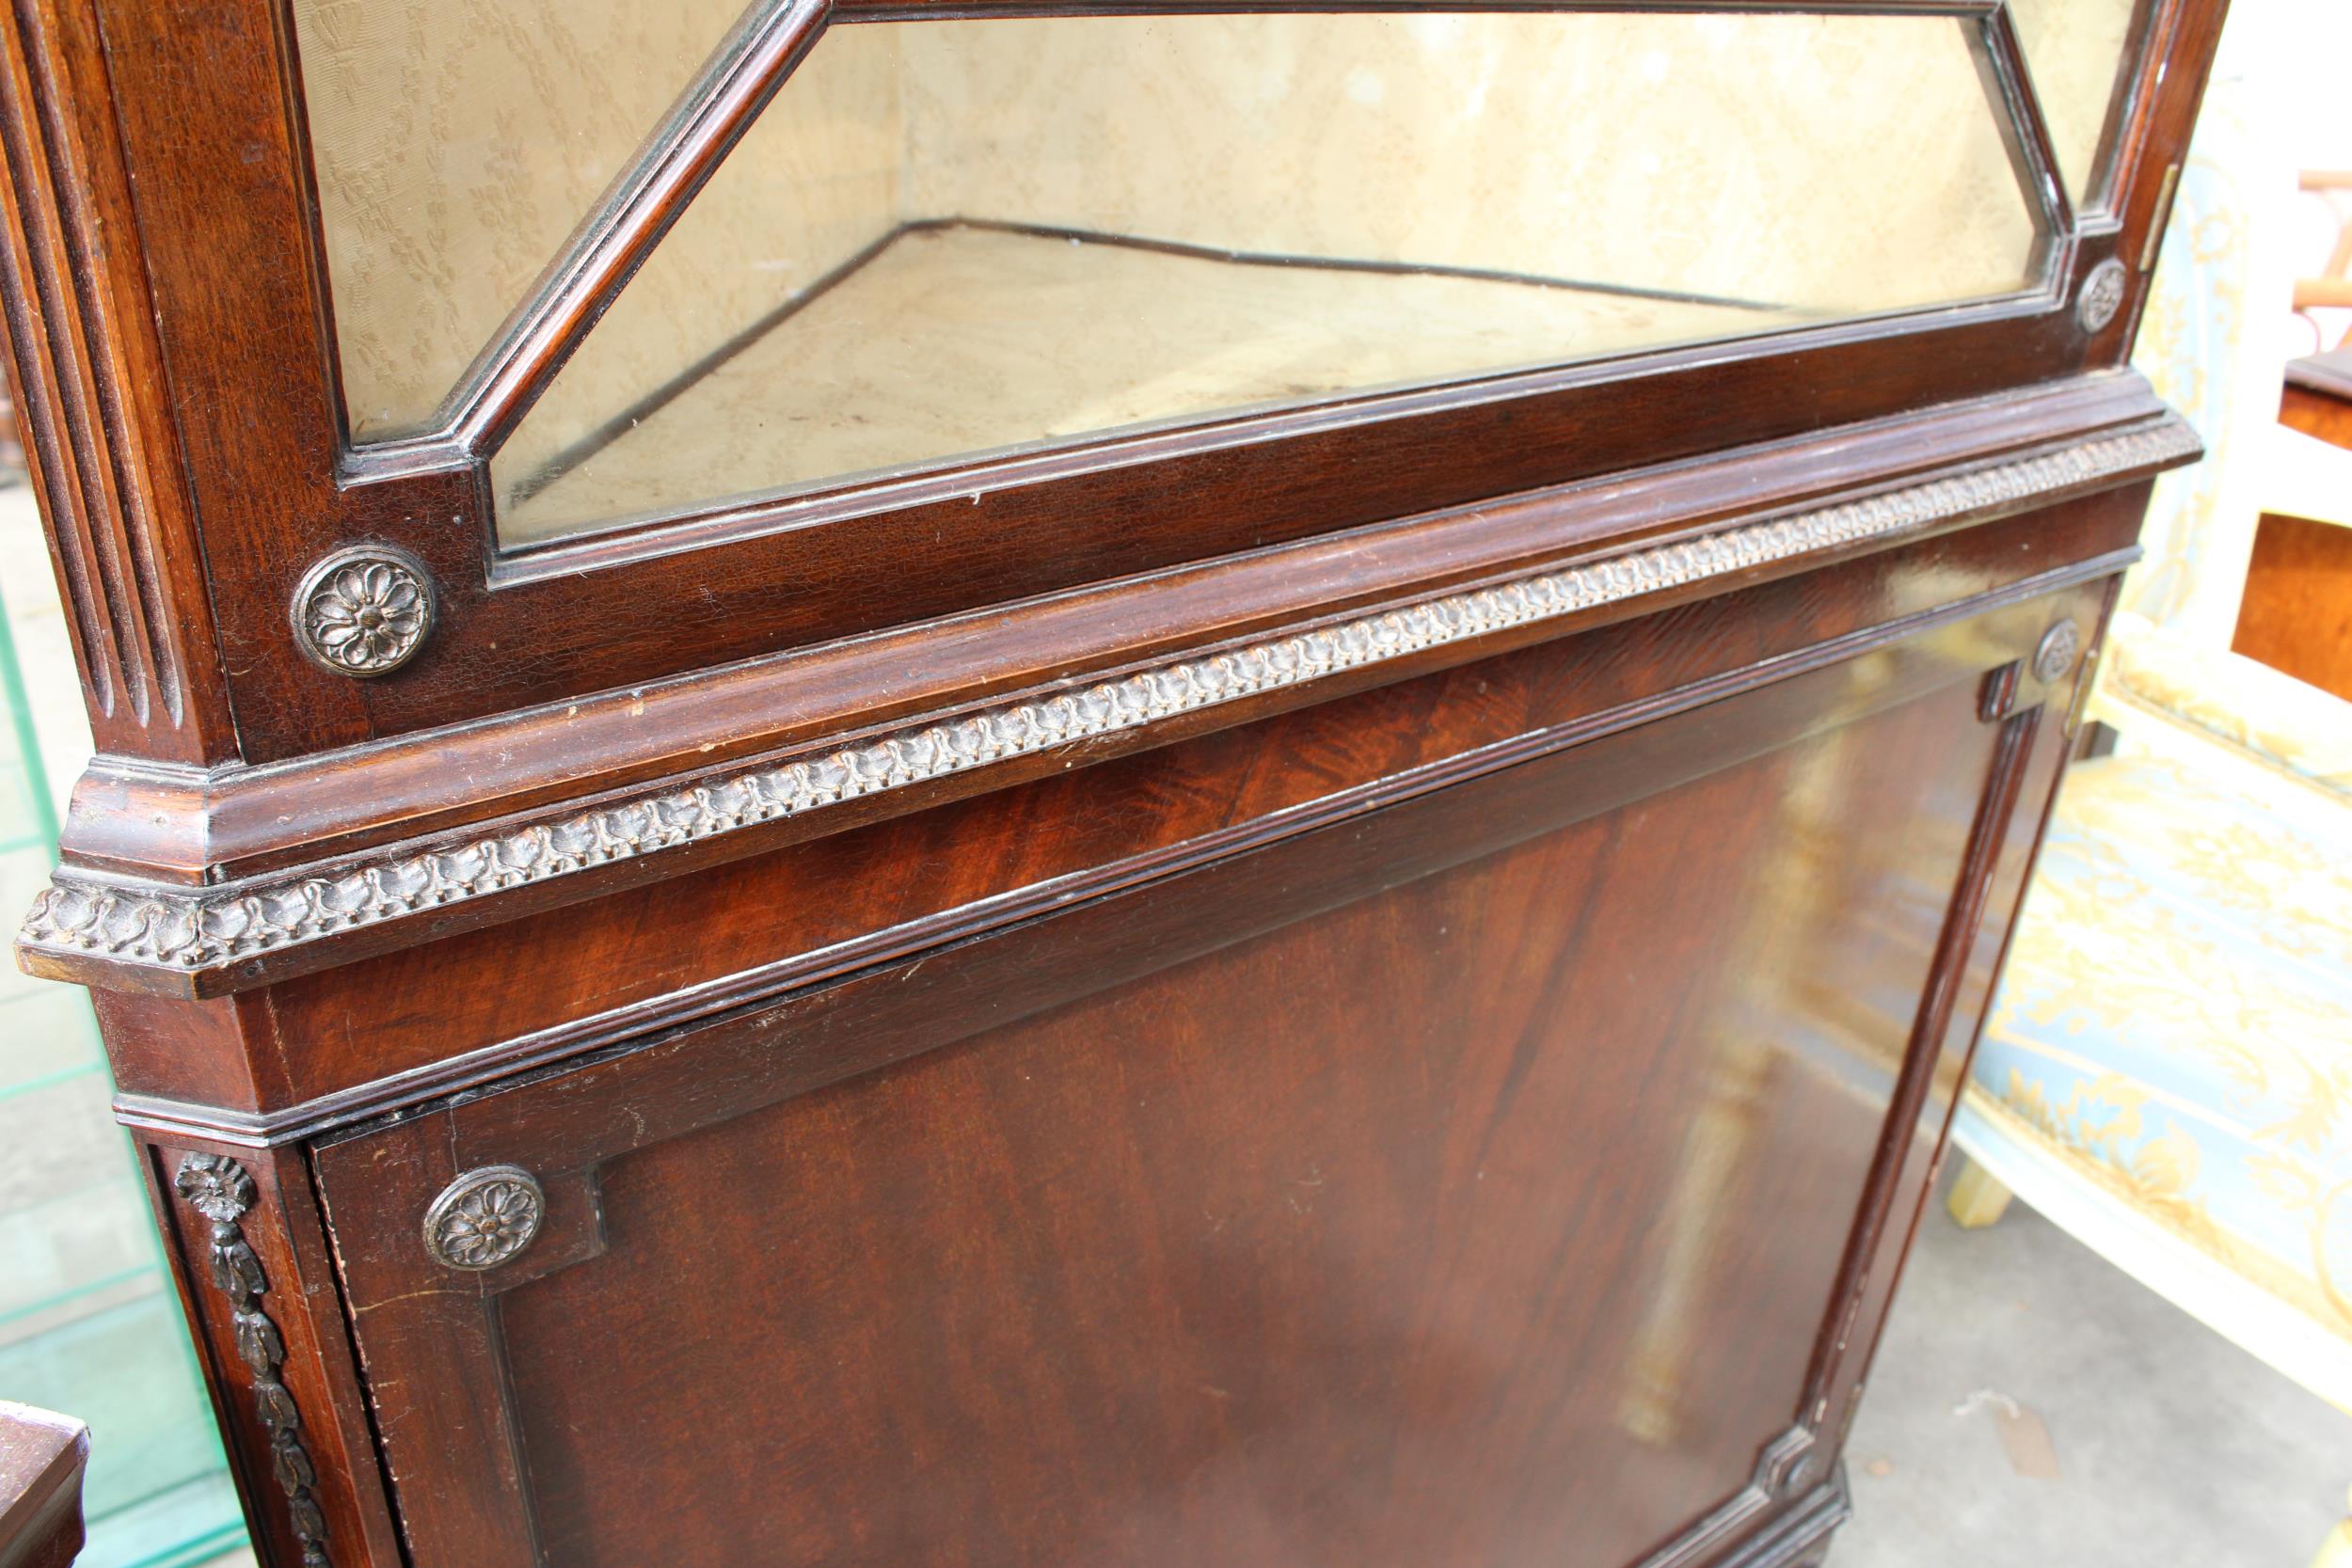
(485, 1217)
(364, 611)
(222, 1191)
(2101, 295)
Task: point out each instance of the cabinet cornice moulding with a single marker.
(188, 824)
(205, 940)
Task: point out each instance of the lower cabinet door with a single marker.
(1512, 1174)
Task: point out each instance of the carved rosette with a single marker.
(1789, 1464)
(170, 928)
(485, 1217)
(222, 1191)
(364, 611)
(2101, 295)
(2055, 653)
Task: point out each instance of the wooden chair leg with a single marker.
(2336, 1551)
(1977, 1200)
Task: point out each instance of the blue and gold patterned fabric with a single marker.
(2175, 1022)
(2269, 720)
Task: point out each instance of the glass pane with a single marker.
(456, 145)
(2075, 51)
(948, 238)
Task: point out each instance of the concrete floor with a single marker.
(2167, 1443)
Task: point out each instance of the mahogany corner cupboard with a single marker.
(1036, 783)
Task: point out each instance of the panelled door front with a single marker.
(1492, 1177)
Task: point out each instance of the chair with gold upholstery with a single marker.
(2167, 1073)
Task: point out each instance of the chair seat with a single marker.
(2175, 1021)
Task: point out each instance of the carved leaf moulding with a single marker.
(181, 930)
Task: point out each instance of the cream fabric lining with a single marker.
(2074, 49)
(958, 340)
(456, 144)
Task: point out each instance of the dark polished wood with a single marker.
(570, 978)
(1138, 1198)
(217, 159)
(85, 365)
(42, 1456)
(1381, 982)
(229, 824)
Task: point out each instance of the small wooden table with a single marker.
(42, 1456)
(2296, 614)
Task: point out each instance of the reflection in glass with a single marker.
(2075, 52)
(953, 238)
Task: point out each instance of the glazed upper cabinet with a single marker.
(653, 337)
(944, 244)
(1007, 784)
